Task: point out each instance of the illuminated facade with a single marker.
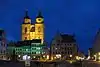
(62, 46)
(33, 31)
(33, 48)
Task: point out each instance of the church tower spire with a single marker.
(27, 18)
(26, 27)
(26, 15)
(39, 17)
(39, 14)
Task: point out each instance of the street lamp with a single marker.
(99, 53)
(70, 55)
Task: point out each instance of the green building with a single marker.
(33, 49)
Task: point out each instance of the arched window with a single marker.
(25, 29)
(25, 38)
(39, 29)
(32, 29)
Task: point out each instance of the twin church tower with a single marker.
(31, 30)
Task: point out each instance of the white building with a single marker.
(63, 46)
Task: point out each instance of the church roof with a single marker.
(39, 15)
(26, 15)
(67, 38)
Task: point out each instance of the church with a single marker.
(34, 30)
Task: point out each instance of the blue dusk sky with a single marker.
(79, 17)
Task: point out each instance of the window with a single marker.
(58, 44)
(68, 52)
(25, 38)
(26, 49)
(56, 52)
(39, 29)
(37, 52)
(4, 51)
(32, 29)
(38, 48)
(1, 51)
(53, 52)
(69, 48)
(62, 52)
(25, 29)
(33, 52)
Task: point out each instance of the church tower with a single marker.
(39, 27)
(26, 27)
(32, 31)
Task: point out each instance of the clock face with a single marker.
(39, 20)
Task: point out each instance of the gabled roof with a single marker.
(67, 38)
(96, 44)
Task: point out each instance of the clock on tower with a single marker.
(39, 18)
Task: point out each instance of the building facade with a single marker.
(11, 50)
(90, 54)
(33, 30)
(2, 45)
(33, 49)
(63, 46)
(96, 44)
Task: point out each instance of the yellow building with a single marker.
(33, 31)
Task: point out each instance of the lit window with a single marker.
(38, 48)
(26, 49)
(37, 52)
(42, 52)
